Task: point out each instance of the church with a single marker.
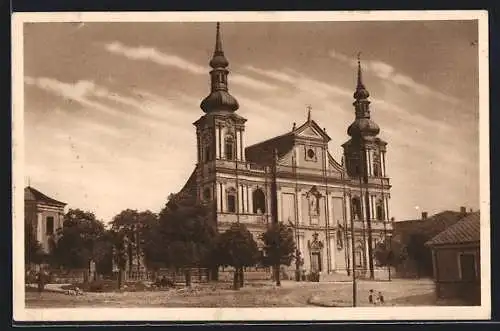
(293, 178)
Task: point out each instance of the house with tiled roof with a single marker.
(412, 234)
(456, 260)
(44, 214)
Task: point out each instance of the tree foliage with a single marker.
(32, 249)
(236, 247)
(132, 231)
(389, 253)
(279, 247)
(184, 236)
(78, 238)
(421, 254)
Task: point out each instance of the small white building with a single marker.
(44, 214)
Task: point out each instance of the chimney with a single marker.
(463, 210)
(424, 215)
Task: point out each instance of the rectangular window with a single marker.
(358, 258)
(231, 203)
(468, 267)
(229, 149)
(50, 225)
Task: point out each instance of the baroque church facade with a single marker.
(293, 178)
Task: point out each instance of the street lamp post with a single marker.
(354, 290)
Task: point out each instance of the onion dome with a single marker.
(363, 127)
(219, 98)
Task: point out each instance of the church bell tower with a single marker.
(220, 131)
(364, 156)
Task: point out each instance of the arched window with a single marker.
(259, 201)
(356, 208)
(380, 210)
(377, 170)
(231, 200)
(229, 148)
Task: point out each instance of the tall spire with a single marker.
(218, 59)
(361, 91)
(219, 98)
(362, 125)
(218, 42)
(360, 80)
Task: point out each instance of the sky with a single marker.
(109, 107)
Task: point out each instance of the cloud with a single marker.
(303, 82)
(93, 97)
(388, 73)
(170, 60)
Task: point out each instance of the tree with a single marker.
(236, 247)
(76, 245)
(136, 227)
(279, 247)
(119, 252)
(32, 249)
(421, 254)
(185, 236)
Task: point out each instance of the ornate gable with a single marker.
(311, 129)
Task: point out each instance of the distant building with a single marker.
(415, 233)
(44, 214)
(456, 260)
(293, 178)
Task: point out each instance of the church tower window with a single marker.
(380, 211)
(259, 201)
(229, 148)
(377, 170)
(231, 200)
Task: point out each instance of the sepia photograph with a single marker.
(197, 166)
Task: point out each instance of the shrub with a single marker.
(164, 282)
(96, 286)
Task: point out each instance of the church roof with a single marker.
(467, 230)
(32, 194)
(262, 152)
(189, 189)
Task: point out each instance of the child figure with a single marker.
(370, 297)
(380, 298)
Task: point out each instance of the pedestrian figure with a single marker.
(40, 281)
(380, 298)
(370, 297)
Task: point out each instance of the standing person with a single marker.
(370, 297)
(41, 281)
(380, 298)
